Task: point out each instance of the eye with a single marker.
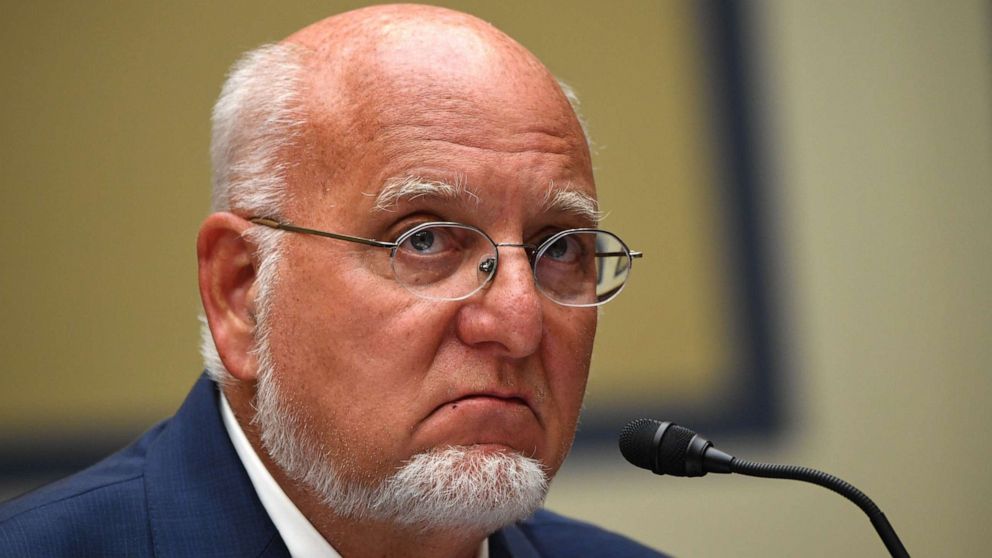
(428, 241)
(422, 241)
(565, 249)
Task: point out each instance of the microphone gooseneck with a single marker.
(666, 448)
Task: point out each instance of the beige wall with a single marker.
(106, 180)
(882, 142)
(881, 131)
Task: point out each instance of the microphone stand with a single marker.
(665, 448)
(830, 482)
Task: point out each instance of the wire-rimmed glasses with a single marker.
(452, 261)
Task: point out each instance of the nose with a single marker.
(507, 317)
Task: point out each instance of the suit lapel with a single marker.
(200, 499)
(510, 542)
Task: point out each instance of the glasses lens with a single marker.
(582, 268)
(443, 261)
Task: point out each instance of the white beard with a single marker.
(455, 487)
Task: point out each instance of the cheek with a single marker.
(358, 347)
(343, 314)
(568, 352)
(569, 335)
(354, 360)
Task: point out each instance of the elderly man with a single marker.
(399, 281)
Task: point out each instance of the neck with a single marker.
(352, 538)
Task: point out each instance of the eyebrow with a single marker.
(557, 199)
(565, 200)
(406, 188)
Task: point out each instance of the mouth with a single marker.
(485, 399)
(497, 420)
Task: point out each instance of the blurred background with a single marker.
(811, 183)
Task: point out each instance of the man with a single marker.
(399, 281)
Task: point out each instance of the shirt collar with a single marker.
(300, 536)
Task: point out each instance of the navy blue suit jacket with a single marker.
(180, 490)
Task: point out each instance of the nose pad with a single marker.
(487, 268)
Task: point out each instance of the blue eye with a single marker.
(429, 241)
(422, 241)
(558, 249)
(566, 249)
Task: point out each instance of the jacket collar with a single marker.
(200, 499)
(510, 542)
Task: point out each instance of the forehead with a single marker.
(487, 117)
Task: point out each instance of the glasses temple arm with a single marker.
(613, 254)
(293, 228)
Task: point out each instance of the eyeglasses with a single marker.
(451, 261)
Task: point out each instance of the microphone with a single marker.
(666, 448)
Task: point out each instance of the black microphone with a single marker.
(666, 448)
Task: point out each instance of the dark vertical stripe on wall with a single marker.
(746, 203)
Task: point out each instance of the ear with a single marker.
(227, 264)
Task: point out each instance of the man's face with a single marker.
(379, 375)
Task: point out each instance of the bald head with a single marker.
(401, 41)
(402, 73)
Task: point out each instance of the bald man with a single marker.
(400, 280)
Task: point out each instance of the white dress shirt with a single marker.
(299, 535)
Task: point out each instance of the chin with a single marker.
(481, 487)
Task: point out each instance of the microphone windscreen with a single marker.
(661, 447)
(637, 442)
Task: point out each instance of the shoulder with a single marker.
(76, 515)
(555, 535)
